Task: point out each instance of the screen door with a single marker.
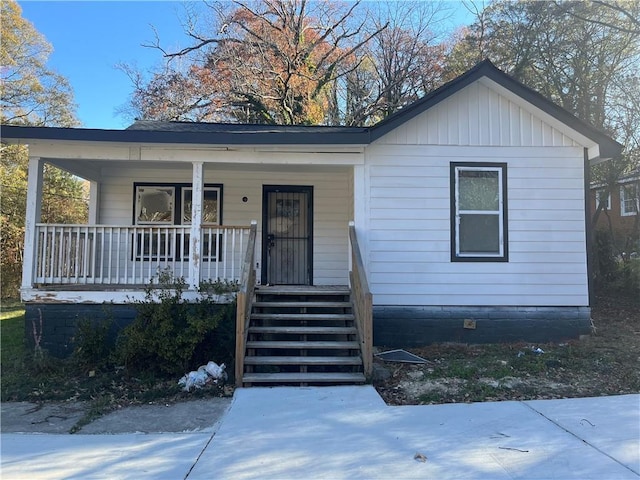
(287, 235)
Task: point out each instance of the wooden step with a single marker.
(303, 345)
(289, 360)
(305, 330)
(304, 377)
(302, 316)
(298, 304)
(284, 290)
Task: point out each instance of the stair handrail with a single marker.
(244, 300)
(362, 302)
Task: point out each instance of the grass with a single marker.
(27, 377)
(11, 332)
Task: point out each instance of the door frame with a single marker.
(266, 189)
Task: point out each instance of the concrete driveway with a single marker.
(348, 432)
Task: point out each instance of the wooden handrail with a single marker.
(244, 299)
(362, 302)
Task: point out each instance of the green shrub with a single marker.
(93, 344)
(607, 264)
(629, 281)
(169, 334)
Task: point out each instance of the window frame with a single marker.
(599, 192)
(633, 200)
(178, 197)
(208, 188)
(138, 188)
(145, 248)
(502, 212)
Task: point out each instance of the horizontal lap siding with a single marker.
(408, 245)
(409, 230)
(332, 204)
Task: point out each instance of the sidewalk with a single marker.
(348, 432)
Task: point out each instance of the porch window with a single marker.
(479, 219)
(629, 199)
(160, 207)
(155, 205)
(210, 209)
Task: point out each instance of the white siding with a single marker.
(332, 194)
(407, 182)
(409, 246)
(477, 115)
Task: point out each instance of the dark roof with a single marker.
(146, 131)
(239, 128)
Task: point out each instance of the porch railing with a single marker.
(132, 255)
(244, 300)
(362, 302)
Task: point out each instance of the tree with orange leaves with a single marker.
(270, 61)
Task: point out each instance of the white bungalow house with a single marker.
(468, 210)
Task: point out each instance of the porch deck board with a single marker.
(303, 289)
(91, 287)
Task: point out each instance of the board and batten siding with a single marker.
(408, 243)
(332, 203)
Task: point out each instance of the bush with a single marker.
(630, 276)
(170, 335)
(93, 344)
(607, 265)
(615, 272)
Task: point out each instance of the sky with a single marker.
(90, 38)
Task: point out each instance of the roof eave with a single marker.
(14, 134)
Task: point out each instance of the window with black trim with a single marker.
(479, 212)
(166, 204)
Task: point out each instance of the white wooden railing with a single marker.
(128, 255)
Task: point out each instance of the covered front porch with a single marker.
(157, 213)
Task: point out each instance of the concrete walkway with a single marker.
(348, 432)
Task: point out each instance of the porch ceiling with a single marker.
(91, 169)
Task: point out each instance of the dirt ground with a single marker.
(603, 363)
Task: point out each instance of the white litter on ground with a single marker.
(209, 373)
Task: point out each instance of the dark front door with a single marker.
(287, 235)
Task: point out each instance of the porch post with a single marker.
(32, 216)
(94, 202)
(360, 208)
(196, 225)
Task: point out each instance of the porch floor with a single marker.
(117, 287)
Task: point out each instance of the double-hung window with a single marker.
(629, 199)
(478, 212)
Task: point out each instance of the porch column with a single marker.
(195, 249)
(32, 216)
(94, 202)
(360, 210)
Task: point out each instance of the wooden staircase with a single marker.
(302, 336)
